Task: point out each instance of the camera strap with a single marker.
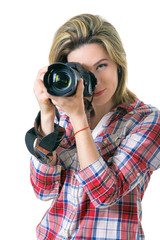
(49, 142)
(90, 102)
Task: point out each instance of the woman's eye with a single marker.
(101, 66)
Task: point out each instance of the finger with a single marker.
(42, 71)
(43, 88)
(40, 75)
(41, 84)
(80, 88)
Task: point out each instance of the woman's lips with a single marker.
(99, 93)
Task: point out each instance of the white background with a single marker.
(26, 33)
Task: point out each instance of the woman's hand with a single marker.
(47, 108)
(72, 105)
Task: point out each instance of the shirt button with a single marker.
(138, 174)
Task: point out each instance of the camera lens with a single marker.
(60, 80)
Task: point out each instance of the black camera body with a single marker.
(61, 79)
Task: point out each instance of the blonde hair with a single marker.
(85, 29)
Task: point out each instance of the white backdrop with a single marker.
(27, 29)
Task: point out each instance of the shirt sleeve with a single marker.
(139, 153)
(45, 179)
(46, 145)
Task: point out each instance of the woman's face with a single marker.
(93, 57)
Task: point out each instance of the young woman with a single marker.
(97, 175)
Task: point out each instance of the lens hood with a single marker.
(60, 80)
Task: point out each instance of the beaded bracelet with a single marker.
(81, 130)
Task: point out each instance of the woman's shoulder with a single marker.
(146, 111)
(134, 117)
(140, 111)
(141, 117)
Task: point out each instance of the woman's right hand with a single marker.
(47, 108)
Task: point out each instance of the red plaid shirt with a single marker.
(102, 201)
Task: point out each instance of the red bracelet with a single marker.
(81, 130)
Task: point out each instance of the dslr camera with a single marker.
(61, 79)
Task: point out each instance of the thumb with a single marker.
(80, 87)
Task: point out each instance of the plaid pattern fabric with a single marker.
(102, 201)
